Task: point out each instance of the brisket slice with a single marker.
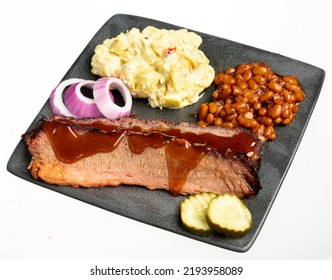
(166, 149)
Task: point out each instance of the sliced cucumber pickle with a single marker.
(193, 213)
(228, 214)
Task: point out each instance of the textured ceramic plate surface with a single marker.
(159, 208)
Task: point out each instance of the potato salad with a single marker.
(164, 66)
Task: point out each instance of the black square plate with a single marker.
(159, 208)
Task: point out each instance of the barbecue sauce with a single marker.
(184, 150)
(71, 145)
(138, 142)
(182, 157)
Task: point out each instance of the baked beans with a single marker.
(254, 97)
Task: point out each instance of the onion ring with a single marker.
(104, 102)
(56, 103)
(80, 105)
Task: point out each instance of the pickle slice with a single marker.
(228, 214)
(193, 213)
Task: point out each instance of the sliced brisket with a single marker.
(183, 158)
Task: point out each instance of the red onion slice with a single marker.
(56, 102)
(80, 105)
(104, 102)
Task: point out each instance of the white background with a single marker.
(40, 40)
